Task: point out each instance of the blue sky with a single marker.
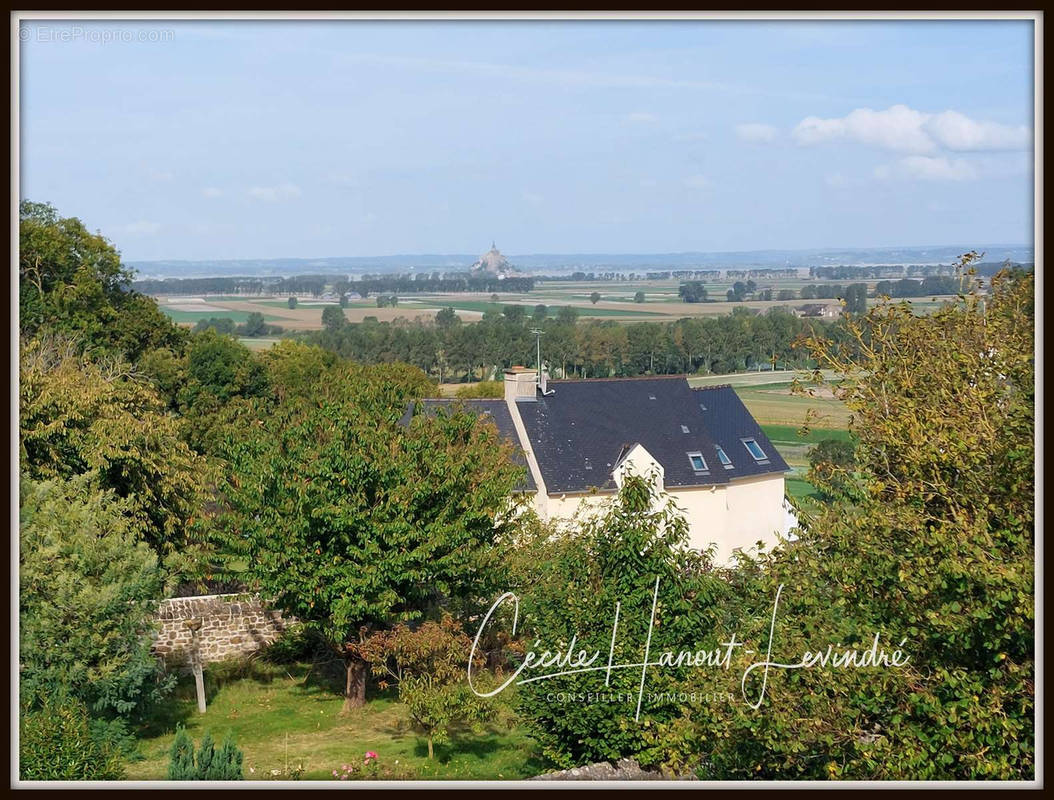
(313, 139)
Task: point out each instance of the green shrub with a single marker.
(209, 764)
(56, 744)
(227, 766)
(483, 389)
(181, 758)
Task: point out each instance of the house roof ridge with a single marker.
(715, 386)
(679, 376)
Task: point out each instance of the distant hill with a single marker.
(561, 262)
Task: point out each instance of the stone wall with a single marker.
(229, 626)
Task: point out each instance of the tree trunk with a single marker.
(355, 686)
(430, 751)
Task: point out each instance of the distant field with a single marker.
(191, 317)
(586, 310)
(789, 435)
(662, 303)
(258, 343)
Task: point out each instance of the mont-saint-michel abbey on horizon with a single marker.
(494, 263)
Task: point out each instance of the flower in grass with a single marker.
(370, 754)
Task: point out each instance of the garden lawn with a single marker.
(282, 724)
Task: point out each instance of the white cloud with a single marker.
(938, 169)
(696, 182)
(272, 194)
(533, 199)
(211, 191)
(756, 132)
(159, 174)
(906, 130)
(836, 180)
(897, 128)
(141, 228)
(927, 168)
(957, 131)
(641, 118)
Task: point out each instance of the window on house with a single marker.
(697, 461)
(754, 449)
(702, 407)
(651, 397)
(722, 456)
(684, 429)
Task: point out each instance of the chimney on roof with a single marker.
(521, 384)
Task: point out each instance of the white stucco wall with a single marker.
(735, 515)
(732, 516)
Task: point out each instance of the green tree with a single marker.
(219, 324)
(352, 522)
(333, 318)
(569, 586)
(255, 324)
(102, 420)
(856, 298)
(692, 292)
(638, 297)
(344, 301)
(515, 314)
(295, 369)
(72, 282)
(831, 465)
(594, 298)
(935, 545)
(428, 667)
(88, 592)
(291, 302)
(567, 315)
(446, 318)
(56, 744)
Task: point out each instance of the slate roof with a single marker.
(579, 433)
(496, 411)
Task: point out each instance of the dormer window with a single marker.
(755, 450)
(684, 429)
(698, 463)
(722, 456)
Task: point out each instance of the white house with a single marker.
(580, 438)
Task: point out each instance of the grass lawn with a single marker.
(286, 716)
(789, 434)
(799, 488)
